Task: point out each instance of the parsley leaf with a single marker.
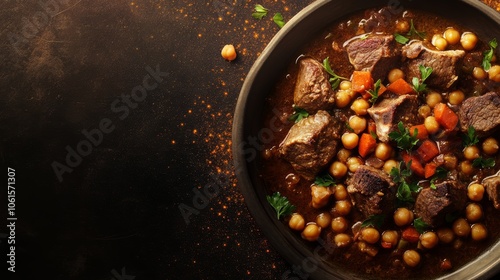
(298, 114)
(481, 162)
(401, 39)
(404, 140)
(324, 180)
(335, 79)
(418, 84)
(280, 204)
(488, 55)
(400, 173)
(420, 225)
(374, 92)
(405, 190)
(414, 31)
(441, 173)
(470, 138)
(259, 12)
(375, 221)
(278, 19)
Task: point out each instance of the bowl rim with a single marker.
(273, 229)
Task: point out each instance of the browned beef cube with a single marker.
(432, 205)
(375, 53)
(481, 112)
(311, 143)
(313, 91)
(372, 191)
(445, 64)
(492, 185)
(389, 112)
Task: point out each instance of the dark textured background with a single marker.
(66, 66)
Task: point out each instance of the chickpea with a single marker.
(395, 74)
(383, 151)
(411, 258)
(342, 240)
(342, 99)
(324, 219)
(370, 235)
(433, 98)
(311, 232)
(402, 26)
(353, 163)
(229, 52)
(461, 227)
(471, 152)
(343, 155)
(340, 192)
(320, 196)
(350, 140)
(342, 207)
(490, 146)
(403, 217)
(494, 73)
(456, 97)
(388, 165)
(345, 85)
(297, 222)
(446, 235)
(468, 40)
(473, 212)
(390, 237)
(467, 168)
(475, 192)
(479, 73)
(359, 106)
(452, 36)
(479, 232)
(358, 124)
(338, 170)
(431, 124)
(429, 239)
(439, 42)
(340, 225)
(424, 111)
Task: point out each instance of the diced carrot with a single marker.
(372, 127)
(430, 169)
(445, 116)
(366, 144)
(361, 81)
(428, 150)
(421, 131)
(415, 166)
(400, 86)
(410, 234)
(382, 89)
(386, 245)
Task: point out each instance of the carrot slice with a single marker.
(430, 169)
(372, 127)
(415, 166)
(410, 234)
(421, 131)
(366, 144)
(445, 116)
(400, 86)
(428, 150)
(361, 81)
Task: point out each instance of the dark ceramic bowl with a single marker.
(481, 19)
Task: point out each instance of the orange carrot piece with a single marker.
(372, 127)
(428, 150)
(366, 144)
(415, 166)
(445, 116)
(400, 86)
(411, 234)
(430, 169)
(361, 81)
(421, 131)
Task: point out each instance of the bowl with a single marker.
(247, 130)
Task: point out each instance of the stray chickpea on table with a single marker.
(229, 52)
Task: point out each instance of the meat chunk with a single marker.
(432, 205)
(445, 64)
(372, 191)
(313, 91)
(389, 112)
(375, 53)
(311, 143)
(492, 185)
(481, 112)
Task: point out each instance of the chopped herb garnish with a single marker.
(488, 55)
(441, 173)
(281, 205)
(404, 140)
(325, 180)
(470, 139)
(401, 39)
(334, 79)
(298, 114)
(414, 31)
(259, 12)
(278, 19)
(481, 162)
(374, 92)
(405, 190)
(400, 173)
(420, 225)
(418, 84)
(348, 127)
(375, 221)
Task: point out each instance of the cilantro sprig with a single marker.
(325, 180)
(278, 19)
(481, 162)
(259, 12)
(281, 205)
(488, 55)
(374, 92)
(403, 138)
(470, 139)
(375, 221)
(418, 84)
(334, 79)
(405, 189)
(298, 114)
